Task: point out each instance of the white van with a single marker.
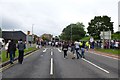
(2, 41)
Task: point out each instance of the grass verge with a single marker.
(109, 51)
(3, 54)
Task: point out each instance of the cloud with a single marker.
(51, 16)
(9, 24)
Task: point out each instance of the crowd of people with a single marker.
(11, 48)
(77, 48)
(80, 47)
(108, 44)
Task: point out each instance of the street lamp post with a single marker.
(32, 34)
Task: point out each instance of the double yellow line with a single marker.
(15, 62)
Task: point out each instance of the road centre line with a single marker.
(105, 56)
(51, 53)
(96, 66)
(51, 67)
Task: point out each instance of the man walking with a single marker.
(11, 50)
(83, 49)
(21, 46)
(77, 48)
(65, 49)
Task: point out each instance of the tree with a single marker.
(73, 32)
(44, 38)
(98, 24)
(116, 36)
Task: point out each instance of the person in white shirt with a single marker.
(77, 48)
(6, 48)
(116, 44)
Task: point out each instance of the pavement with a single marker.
(49, 63)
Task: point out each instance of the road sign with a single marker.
(105, 35)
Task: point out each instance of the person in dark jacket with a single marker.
(73, 47)
(65, 49)
(11, 50)
(21, 46)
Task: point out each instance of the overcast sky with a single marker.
(51, 16)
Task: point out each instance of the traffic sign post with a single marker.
(105, 35)
(28, 32)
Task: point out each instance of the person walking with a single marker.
(21, 46)
(87, 45)
(77, 48)
(65, 49)
(73, 50)
(83, 50)
(6, 48)
(11, 50)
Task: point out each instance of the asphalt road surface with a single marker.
(49, 63)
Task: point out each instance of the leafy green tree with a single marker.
(98, 24)
(116, 36)
(73, 32)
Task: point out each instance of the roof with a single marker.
(16, 35)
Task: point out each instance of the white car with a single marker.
(2, 41)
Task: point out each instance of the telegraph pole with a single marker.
(109, 38)
(32, 34)
(103, 38)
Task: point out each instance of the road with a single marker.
(49, 63)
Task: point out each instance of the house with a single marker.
(14, 35)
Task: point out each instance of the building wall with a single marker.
(119, 16)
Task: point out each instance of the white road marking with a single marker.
(105, 56)
(96, 66)
(51, 67)
(59, 50)
(51, 53)
(45, 50)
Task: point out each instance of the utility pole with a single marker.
(103, 38)
(32, 34)
(109, 38)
